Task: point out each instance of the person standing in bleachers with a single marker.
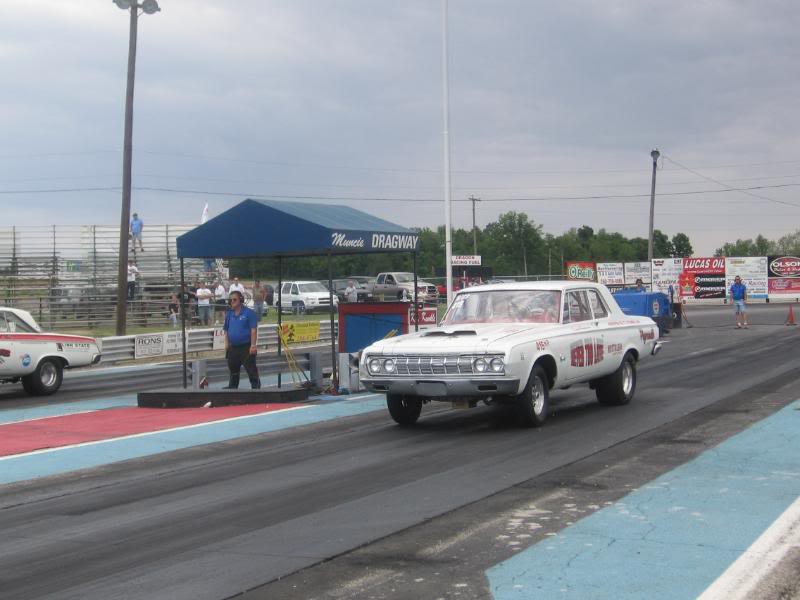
(137, 225)
(133, 271)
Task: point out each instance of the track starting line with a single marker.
(67, 430)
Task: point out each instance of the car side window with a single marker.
(295, 289)
(286, 288)
(578, 306)
(18, 325)
(3, 323)
(381, 278)
(389, 279)
(598, 306)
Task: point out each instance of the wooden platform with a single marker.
(188, 398)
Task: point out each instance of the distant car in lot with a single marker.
(305, 297)
(38, 359)
(340, 285)
(512, 343)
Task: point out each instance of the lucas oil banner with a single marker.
(703, 278)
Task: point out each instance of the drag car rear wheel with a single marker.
(46, 379)
(618, 388)
(405, 410)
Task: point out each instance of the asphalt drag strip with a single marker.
(536, 539)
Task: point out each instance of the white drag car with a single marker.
(38, 359)
(513, 343)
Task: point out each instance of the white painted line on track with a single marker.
(741, 578)
(703, 351)
(158, 431)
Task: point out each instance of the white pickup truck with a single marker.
(400, 286)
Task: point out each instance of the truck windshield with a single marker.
(504, 306)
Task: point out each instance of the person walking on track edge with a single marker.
(739, 297)
(241, 336)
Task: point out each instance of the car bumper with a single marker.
(442, 388)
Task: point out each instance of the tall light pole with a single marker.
(654, 154)
(473, 199)
(448, 240)
(148, 7)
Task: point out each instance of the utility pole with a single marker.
(448, 239)
(473, 199)
(148, 7)
(654, 154)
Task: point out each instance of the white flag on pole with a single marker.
(204, 218)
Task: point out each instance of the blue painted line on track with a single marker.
(62, 460)
(673, 537)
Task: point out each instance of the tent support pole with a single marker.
(334, 378)
(416, 305)
(280, 312)
(183, 294)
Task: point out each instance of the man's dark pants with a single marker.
(131, 289)
(239, 356)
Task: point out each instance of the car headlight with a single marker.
(374, 366)
(480, 365)
(388, 365)
(497, 365)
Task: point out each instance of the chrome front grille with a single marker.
(433, 365)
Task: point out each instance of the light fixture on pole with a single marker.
(148, 7)
(654, 154)
(448, 240)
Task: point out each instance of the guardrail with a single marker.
(121, 348)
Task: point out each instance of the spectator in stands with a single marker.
(136, 231)
(204, 297)
(133, 271)
(236, 287)
(190, 300)
(220, 302)
(174, 311)
(258, 299)
(241, 339)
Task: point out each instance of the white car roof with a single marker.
(22, 314)
(558, 285)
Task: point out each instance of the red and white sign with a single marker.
(427, 317)
(784, 266)
(466, 260)
(706, 266)
(784, 285)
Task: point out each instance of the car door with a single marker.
(606, 338)
(583, 341)
(284, 297)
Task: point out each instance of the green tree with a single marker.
(681, 246)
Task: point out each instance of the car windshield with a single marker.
(312, 287)
(504, 306)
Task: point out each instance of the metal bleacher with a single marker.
(66, 276)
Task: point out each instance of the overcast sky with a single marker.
(554, 108)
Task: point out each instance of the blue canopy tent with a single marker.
(279, 229)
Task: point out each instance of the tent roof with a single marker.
(263, 228)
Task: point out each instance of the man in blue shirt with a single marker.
(241, 336)
(136, 231)
(739, 297)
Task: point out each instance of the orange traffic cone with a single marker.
(790, 318)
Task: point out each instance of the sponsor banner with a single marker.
(784, 266)
(578, 269)
(784, 286)
(752, 270)
(706, 266)
(427, 317)
(302, 331)
(157, 344)
(219, 339)
(365, 240)
(703, 278)
(666, 273)
(637, 270)
(466, 260)
(611, 274)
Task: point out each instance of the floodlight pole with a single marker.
(654, 154)
(127, 158)
(448, 241)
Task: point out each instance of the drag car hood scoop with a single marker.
(456, 333)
